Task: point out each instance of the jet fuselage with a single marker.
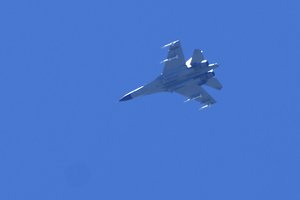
(171, 82)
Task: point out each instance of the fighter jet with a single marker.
(183, 77)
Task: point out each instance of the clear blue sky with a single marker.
(64, 135)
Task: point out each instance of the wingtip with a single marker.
(171, 44)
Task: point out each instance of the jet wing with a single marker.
(175, 58)
(196, 92)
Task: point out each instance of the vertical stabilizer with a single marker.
(197, 56)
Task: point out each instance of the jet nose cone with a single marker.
(126, 97)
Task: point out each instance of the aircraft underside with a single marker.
(183, 77)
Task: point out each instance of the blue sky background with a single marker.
(64, 135)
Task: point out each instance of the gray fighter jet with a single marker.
(183, 77)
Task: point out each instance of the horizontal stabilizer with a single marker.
(214, 83)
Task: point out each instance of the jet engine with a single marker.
(204, 63)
